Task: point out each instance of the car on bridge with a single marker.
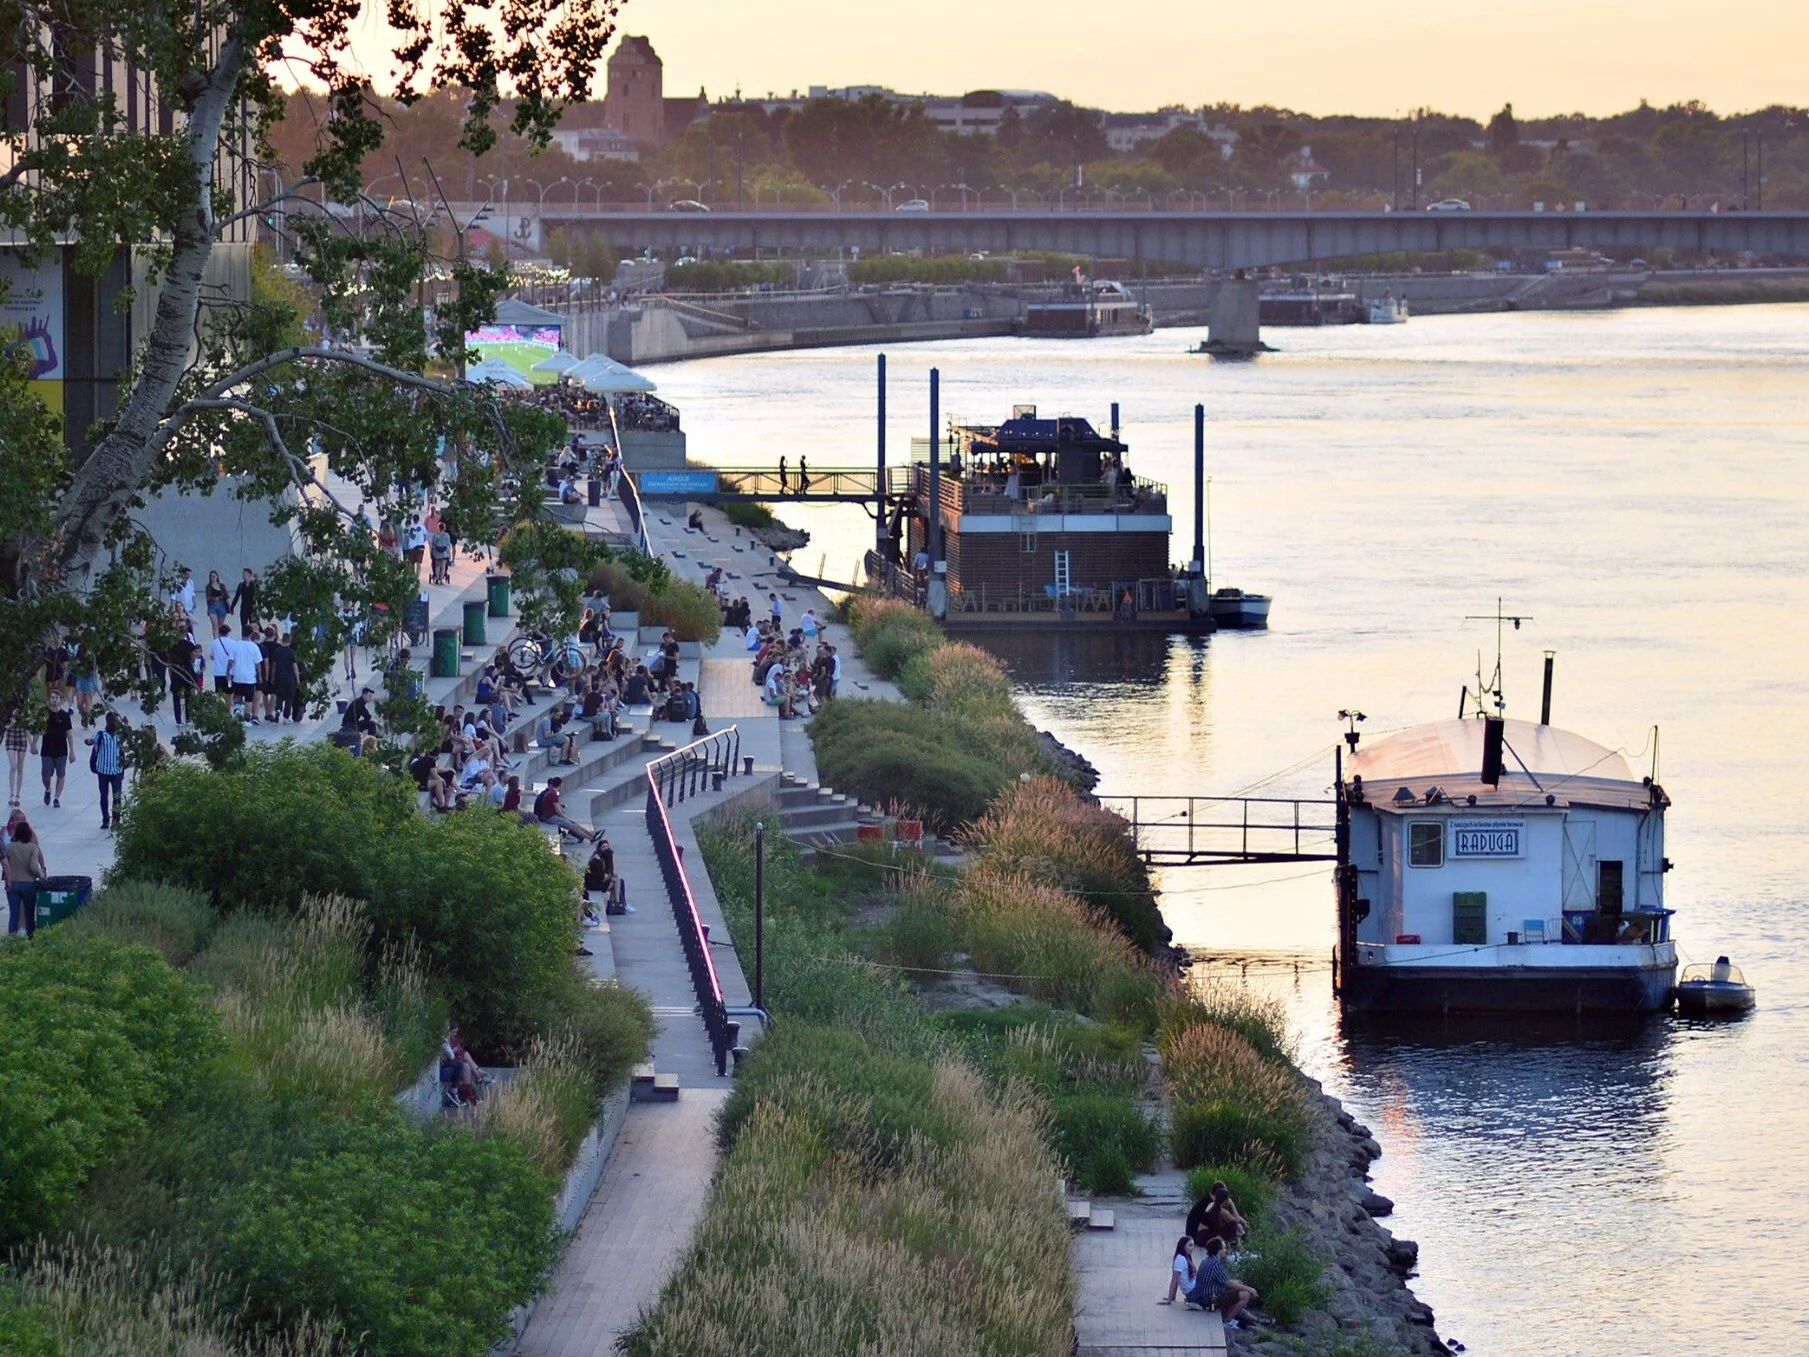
(687, 205)
(913, 205)
(1448, 205)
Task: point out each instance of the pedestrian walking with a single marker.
(219, 659)
(107, 763)
(219, 602)
(245, 600)
(782, 482)
(25, 869)
(53, 750)
(18, 744)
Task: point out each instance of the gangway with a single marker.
(767, 484)
(1199, 831)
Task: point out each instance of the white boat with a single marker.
(1463, 886)
(1387, 309)
(1238, 611)
(1708, 991)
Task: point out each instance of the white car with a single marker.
(1448, 205)
(914, 205)
(687, 205)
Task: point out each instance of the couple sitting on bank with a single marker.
(1215, 1226)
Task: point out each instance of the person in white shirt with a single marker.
(247, 669)
(1181, 1275)
(219, 658)
(183, 595)
(835, 671)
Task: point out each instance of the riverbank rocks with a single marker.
(780, 538)
(1334, 1207)
(1073, 768)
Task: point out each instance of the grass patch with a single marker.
(748, 515)
(172, 921)
(1233, 1107)
(1250, 1191)
(1286, 1272)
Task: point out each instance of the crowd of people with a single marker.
(1201, 1267)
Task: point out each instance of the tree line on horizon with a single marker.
(872, 150)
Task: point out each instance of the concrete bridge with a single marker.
(1212, 240)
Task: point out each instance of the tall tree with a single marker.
(1504, 132)
(220, 391)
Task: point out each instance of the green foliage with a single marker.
(171, 920)
(293, 820)
(1104, 1138)
(94, 1038)
(1250, 1190)
(859, 1099)
(1231, 1105)
(727, 275)
(422, 1242)
(611, 1026)
(746, 515)
(944, 268)
(1287, 1273)
(891, 753)
(687, 609)
(492, 911)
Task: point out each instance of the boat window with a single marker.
(1609, 891)
(1426, 843)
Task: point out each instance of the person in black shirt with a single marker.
(245, 599)
(53, 749)
(285, 677)
(183, 660)
(359, 719)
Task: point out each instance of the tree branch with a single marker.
(299, 470)
(269, 203)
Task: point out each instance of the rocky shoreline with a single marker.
(1074, 768)
(1367, 1268)
(780, 538)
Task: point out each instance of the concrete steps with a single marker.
(649, 1086)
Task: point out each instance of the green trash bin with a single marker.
(474, 623)
(445, 661)
(499, 595)
(60, 896)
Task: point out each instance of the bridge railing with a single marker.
(1183, 831)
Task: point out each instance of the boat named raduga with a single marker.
(1491, 865)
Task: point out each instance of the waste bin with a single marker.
(596, 491)
(474, 623)
(499, 595)
(61, 896)
(445, 662)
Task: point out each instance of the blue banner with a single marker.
(677, 483)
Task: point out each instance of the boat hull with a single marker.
(1382, 988)
(1700, 1000)
(1243, 614)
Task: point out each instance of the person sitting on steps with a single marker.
(1215, 1288)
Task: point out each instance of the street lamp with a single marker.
(884, 193)
(835, 193)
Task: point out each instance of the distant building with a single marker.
(1127, 132)
(1306, 172)
(635, 104)
(584, 134)
(978, 112)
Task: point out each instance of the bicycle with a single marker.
(536, 655)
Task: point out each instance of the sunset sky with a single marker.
(1320, 56)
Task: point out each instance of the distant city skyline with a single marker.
(1317, 56)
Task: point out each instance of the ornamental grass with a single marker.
(1233, 1106)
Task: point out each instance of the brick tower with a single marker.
(634, 104)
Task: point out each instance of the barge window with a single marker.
(1426, 843)
(1609, 886)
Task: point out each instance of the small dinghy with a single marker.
(1705, 991)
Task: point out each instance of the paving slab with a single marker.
(1122, 1273)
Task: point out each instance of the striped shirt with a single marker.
(1210, 1278)
(106, 753)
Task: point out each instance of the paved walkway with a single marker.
(653, 1192)
(1122, 1273)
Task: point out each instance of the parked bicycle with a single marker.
(538, 656)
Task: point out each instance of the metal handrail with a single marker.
(662, 783)
(637, 518)
(1170, 831)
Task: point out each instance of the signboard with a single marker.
(31, 318)
(1488, 838)
(677, 484)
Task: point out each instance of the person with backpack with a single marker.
(106, 760)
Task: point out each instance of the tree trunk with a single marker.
(122, 460)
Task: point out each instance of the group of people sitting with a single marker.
(797, 671)
(1200, 1271)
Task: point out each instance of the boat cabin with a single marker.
(1564, 846)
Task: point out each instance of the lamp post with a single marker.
(760, 916)
(884, 193)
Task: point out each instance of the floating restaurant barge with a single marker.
(1039, 522)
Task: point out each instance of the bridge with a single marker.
(766, 484)
(1200, 831)
(1204, 239)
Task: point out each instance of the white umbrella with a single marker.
(498, 372)
(560, 362)
(606, 376)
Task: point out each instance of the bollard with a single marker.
(716, 780)
(747, 766)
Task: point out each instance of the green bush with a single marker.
(94, 1038)
(745, 515)
(492, 911)
(421, 1242)
(917, 938)
(888, 753)
(171, 920)
(1249, 1190)
(684, 607)
(1105, 1138)
(858, 1098)
(1226, 1132)
(291, 820)
(1287, 1274)
(611, 1026)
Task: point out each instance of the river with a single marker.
(1635, 481)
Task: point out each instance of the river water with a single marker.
(1637, 482)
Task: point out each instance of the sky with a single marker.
(1374, 57)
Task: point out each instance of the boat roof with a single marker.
(1540, 761)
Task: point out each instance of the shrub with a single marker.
(1249, 1189)
(1043, 829)
(1229, 1103)
(884, 751)
(171, 920)
(857, 1098)
(685, 608)
(98, 1303)
(891, 633)
(1258, 1019)
(492, 912)
(1286, 1272)
(94, 1038)
(290, 820)
(420, 1242)
(548, 1108)
(1105, 1138)
(745, 515)
(609, 1027)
